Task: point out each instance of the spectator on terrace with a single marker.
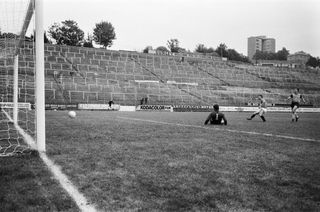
(1, 100)
(144, 101)
(110, 103)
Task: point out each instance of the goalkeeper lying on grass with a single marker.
(216, 117)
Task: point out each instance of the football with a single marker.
(72, 114)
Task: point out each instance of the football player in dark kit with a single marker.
(216, 117)
(296, 98)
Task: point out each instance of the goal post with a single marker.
(22, 77)
(15, 88)
(40, 77)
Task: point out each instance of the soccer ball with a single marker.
(72, 114)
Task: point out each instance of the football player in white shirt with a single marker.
(262, 109)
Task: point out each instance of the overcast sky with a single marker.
(295, 24)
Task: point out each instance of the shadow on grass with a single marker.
(27, 185)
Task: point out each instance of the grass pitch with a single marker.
(26, 185)
(121, 162)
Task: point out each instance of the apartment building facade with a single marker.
(260, 43)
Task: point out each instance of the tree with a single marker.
(173, 45)
(45, 38)
(259, 55)
(162, 49)
(222, 50)
(234, 55)
(182, 50)
(88, 42)
(66, 33)
(147, 49)
(245, 59)
(210, 50)
(9, 35)
(282, 54)
(313, 62)
(104, 34)
(200, 48)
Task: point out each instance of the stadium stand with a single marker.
(88, 75)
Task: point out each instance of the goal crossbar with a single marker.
(25, 25)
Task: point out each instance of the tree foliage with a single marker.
(221, 50)
(313, 62)
(260, 55)
(8, 35)
(88, 42)
(162, 49)
(66, 33)
(279, 55)
(173, 45)
(232, 54)
(104, 34)
(201, 48)
(147, 49)
(282, 54)
(45, 38)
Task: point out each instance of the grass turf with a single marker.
(26, 185)
(125, 164)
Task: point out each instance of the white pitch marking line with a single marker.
(66, 184)
(228, 130)
(79, 198)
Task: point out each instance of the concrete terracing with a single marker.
(87, 75)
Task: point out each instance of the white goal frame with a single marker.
(40, 78)
(35, 7)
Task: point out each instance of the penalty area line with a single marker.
(228, 130)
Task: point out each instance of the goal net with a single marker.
(17, 77)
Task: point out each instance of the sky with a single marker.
(295, 24)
